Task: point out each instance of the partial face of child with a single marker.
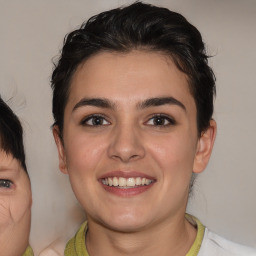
(15, 206)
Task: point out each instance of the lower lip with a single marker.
(127, 192)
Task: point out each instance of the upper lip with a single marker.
(126, 174)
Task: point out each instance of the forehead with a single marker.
(134, 75)
(8, 161)
(11, 168)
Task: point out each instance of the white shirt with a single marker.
(215, 245)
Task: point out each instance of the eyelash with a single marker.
(85, 122)
(101, 119)
(5, 184)
(162, 117)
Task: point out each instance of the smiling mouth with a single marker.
(122, 182)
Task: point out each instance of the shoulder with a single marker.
(215, 245)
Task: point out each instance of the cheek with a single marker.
(5, 215)
(15, 215)
(173, 153)
(16, 205)
(174, 156)
(14, 208)
(84, 154)
(20, 206)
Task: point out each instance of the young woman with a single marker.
(133, 104)
(15, 190)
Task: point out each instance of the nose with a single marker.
(126, 144)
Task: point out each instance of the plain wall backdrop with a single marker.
(31, 34)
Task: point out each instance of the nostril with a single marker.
(126, 158)
(126, 146)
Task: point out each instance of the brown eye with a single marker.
(160, 120)
(95, 120)
(5, 183)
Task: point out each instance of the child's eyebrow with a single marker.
(9, 172)
(8, 169)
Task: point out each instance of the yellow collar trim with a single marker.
(28, 252)
(194, 250)
(76, 245)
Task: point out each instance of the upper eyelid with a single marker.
(95, 115)
(161, 115)
(6, 179)
(11, 174)
(86, 118)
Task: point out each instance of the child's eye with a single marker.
(5, 184)
(160, 120)
(95, 120)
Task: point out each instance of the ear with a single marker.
(204, 147)
(61, 150)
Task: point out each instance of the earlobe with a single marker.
(204, 147)
(61, 150)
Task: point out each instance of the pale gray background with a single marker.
(31, 35)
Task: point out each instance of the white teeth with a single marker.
(148, 181)
(123, 182)
(138, 181)
(110, 182)
(130, 182)
(115, 181)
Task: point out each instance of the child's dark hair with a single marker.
(138, 27)
(11, 134)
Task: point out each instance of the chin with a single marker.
(125, 228)
(125, 223)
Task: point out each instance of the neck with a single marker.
(173, 237)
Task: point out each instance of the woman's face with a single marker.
(130, 140)
(15, 206)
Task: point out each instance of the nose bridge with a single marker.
(126, 143)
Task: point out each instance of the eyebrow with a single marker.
(96, 102)
(155, 102)
(152, 102)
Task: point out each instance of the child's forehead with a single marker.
(8, 160)
(5, 153)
